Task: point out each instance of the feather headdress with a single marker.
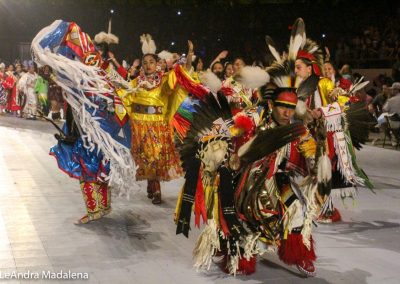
(166, 55)
(252, 77)
(108, 38)
(282, 70)
(148, 44)
(103, 37)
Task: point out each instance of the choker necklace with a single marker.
(151, 81)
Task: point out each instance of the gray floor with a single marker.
(137, 242)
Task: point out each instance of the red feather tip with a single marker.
(244, 122)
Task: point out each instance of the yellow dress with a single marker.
(150, 111)
(325, 87)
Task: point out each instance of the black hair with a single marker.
(152, 55)
(226, 64)
(196, 61)
(306, 61)
(215, 63)
(239, 58)
(337, 73)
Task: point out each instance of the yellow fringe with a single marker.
(178, 205)
(307, 147)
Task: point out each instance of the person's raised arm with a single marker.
(120, 69)
(222, 55)
(189, 57)
(113, 60)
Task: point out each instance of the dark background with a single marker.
(238, 26)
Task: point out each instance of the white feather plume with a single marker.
(271, 47)
(275, 53)
(358, 85)
(166, 55)
(211, 81)
(297, 39)
(106, 37)
(148, 44)
(294, 46)
(301, 108)
(324, 169)
(252, 77)
(304, 40)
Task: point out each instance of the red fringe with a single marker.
(336, 217)
(292, 250)
(199, 203)
(122, 72)
(271, 165)
(331, 146)
(188, 84)
(246, 267)
(181, 125)
(240, 187)
(222, 221)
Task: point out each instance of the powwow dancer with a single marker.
(151, 105)
(211, 164)
(10, 85)
(337, 129)
(42, 89)
(94, 144)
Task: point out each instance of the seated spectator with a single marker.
(380, 100)
(392, 106)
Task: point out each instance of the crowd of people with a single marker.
(29, 92)
(263, 150)
(373, 44)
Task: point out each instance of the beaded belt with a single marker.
(145, 109)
